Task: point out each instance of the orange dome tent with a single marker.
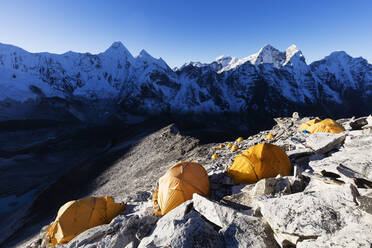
(260, 161)
(322, 126)
(75, 217)
(269, 136)
(179, 184)
(326, 126)
(234, 148)
(306, 125)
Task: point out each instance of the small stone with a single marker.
(357, 124)
(271, 186)
(367, 129)
(295, 115)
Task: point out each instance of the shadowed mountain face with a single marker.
(114, 85)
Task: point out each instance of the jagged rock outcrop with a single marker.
(183, 227)
(310, 215)
(259, 234)
(351, 161)
(324, 142)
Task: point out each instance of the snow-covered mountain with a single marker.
(96, 87)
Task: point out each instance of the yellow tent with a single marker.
(260, 161)
(179, 184)
(326, 126)
(306, 125)
(75, 217)
(234, 148)
(269, 136)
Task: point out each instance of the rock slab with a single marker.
(324, 142)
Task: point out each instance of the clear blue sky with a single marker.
(180, 31)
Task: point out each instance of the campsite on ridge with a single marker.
(186, 124)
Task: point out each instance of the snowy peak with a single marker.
(268, 51)
(144, 54)
(226, 60)
(117, 49)
(338, 55)
(117, 45)
(223, 60)
(345, 71)
(267, 55)
(338, 59)
(291, 50)
(293, 55)
(145, 58)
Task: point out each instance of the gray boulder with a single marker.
(295, 115)
(248, 231)
(324, 142)
(365, 203)
(246, 198)
(238, 227)
(313, 214)
(241, 201)
(367, 129)
(298, 153)
(183, 227)
(277, 185)
(321, 183)
(358, 123)
(353, 235)
(214, 212)
(352, 161)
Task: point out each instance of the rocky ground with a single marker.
(326, 202)
(45, 164)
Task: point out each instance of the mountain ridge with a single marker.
(113, 82)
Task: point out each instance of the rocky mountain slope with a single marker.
(42, 164)
(326, 202)
(100, 87)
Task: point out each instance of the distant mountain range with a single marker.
(115, 85)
